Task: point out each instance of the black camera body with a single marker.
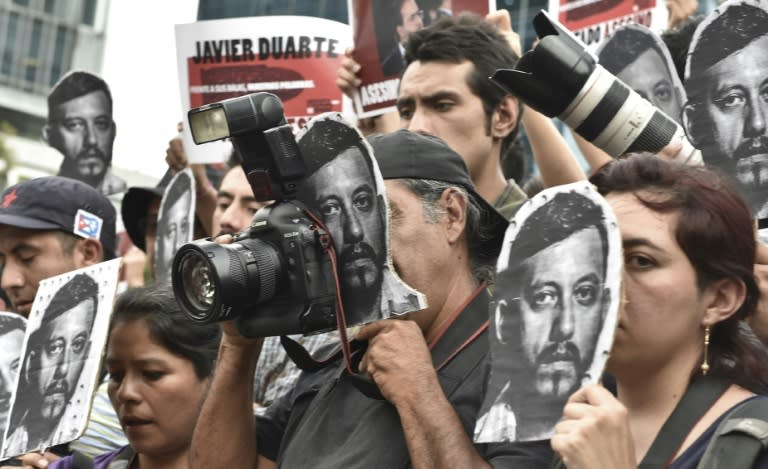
(276, 277)
(561, 78)
(273, 279)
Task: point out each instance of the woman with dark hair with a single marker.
(160, 365)
(689, 250)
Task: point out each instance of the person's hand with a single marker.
(34, 460)
(177, 160)
(134, 262)
(677, 151)
(758, 320)
(346, 76)
(679, 11)
(175, 156)
(398, 360)
(594, 431)
(502, 21)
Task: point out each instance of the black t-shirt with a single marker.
(328, 422)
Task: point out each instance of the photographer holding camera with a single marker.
(430, 369)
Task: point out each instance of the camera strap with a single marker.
(702, 393)
(300, 356)
(458, 326)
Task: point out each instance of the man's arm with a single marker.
(225, 433)
(400, 363)
(349, 83)
(557, 163)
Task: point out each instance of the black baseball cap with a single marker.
(134, 212)
(410, 155)
(59, 203)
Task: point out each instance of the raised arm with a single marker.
(348, 83)
(225, 434)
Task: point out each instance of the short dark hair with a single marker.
(733, 30)
(168, 326)
(11, 322)
(678, 40)
(558, 219)
(715, 231)
(455, 39)
(625, 45)
(325, 139)
(73, 85)
(79, 288)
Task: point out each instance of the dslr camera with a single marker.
(561, 78)
(275, 278)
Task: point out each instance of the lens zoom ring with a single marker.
(656, 135)
(269, 268)
(236, 269)
(604, 112)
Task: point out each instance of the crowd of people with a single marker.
(689, 348)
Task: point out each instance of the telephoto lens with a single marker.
(561, 78)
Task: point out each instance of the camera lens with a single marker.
(196, 280)
(195, 284)
(214, 282)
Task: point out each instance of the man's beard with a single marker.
(55, 400)
(751, 170)
(360, 276)
(557, 370)
(89, 166)
(5, 402)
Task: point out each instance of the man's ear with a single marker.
(722, 299)
(693, 125)
(455, 212)
(89, 251)
(401, 33)
(505, 117)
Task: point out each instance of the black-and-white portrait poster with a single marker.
(345, 189)
(555, 311)
(81, 128)
(175, 221)
(12, 329)
(61, 358)
(638, 57)
(726, 80)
